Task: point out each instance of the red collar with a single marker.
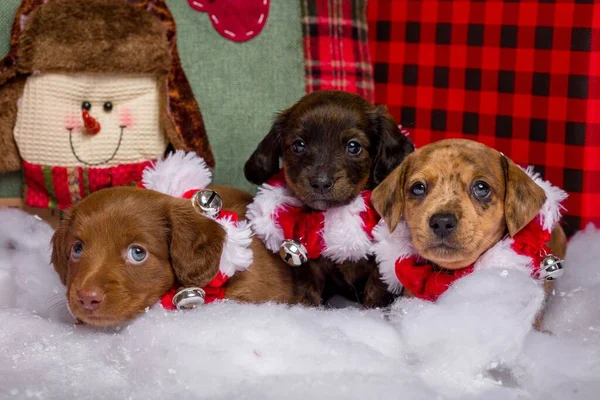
(214, 290)
(427, 282)
(307, 226)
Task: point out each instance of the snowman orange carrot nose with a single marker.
(92, 126)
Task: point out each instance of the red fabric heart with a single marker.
(236, 20)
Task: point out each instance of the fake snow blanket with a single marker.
(475, 342)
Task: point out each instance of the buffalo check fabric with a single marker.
(336, 50)
(520, 76)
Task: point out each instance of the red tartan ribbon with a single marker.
(428, 283)
(62, 187)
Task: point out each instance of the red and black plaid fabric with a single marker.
(336, 50)
(520, 76)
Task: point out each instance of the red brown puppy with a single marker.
(124, 249)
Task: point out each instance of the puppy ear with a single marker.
(393, 146)
(196, 244)
(61, 249)
(388, 197)
(523, 198)
(264, 162)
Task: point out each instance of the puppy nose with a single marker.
(321, 183)
(90, 299)
(442, 224)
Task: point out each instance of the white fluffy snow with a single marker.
(475, 343)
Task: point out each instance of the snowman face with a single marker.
(89, 120)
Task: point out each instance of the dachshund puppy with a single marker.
(458, 198)
(332, 146)
(121, 249)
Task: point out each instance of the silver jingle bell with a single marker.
(208, 202)
(551, 268)
(293, 252)
(189, 298)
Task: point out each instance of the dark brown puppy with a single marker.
(459, 198)
(97, 244)
(332, 146)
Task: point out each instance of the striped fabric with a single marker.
(61, 187)
(336, 52)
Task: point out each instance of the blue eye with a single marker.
(418, 189)
(298, 146)
(481, 190)
(354, 148)
(136, 254)
(77, 250)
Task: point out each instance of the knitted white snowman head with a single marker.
(98, 96)
(89, 120)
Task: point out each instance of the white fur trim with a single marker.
(236, 255)
(269, 199)
(390, 247)
(343, 233)
(177, 173)
(180, 172)
(551, 210)
(502, 256)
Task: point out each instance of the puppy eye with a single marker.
(136, 254)
(481, 190)
(298, 146)
(354, 148)
(418, 189)
(77, 250)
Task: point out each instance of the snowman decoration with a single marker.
(99, 97)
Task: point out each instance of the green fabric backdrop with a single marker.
(10, 184)
(239, 86)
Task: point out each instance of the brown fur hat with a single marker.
(93, 36)
(100, 36)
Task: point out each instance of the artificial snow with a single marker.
(476, 342)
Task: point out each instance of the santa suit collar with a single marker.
(182, 175)
(400, 265)
(339, 234)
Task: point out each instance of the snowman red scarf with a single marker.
(400, 265)
(182, 175)
(340, 234)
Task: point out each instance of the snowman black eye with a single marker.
(86, 105)
(108, 106)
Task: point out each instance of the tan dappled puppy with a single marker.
(450, 202)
